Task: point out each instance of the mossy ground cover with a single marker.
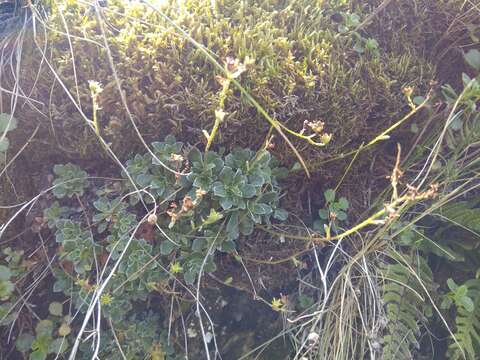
(302, 69)
(94, 85)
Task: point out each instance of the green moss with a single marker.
(440, 29)
(304, 70)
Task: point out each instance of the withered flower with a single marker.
(333, 215)
(176, 157)
(316, 126)
(152, 219)
(187, 204)
(407, 91)
(199, 193)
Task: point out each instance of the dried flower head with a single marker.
(173, 217)
(152, 219)
(200, 193)
(231, 63)
(234, 67)
(316, 126)
(187, 204)
(415, 194)
(176, 157)
(407, 91)
(333, 215)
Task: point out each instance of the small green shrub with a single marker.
(169, 214)
(70, 181)
(332, 214)
(182, 206)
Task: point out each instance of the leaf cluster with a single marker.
(169, 215)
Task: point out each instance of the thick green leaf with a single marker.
(472, 57)
(213, 217)
(329, 195)
(101, 205)
(144, 180)
(38, 355)
(248, 191)
(417, 100)
(4, 144)
(6, 289)
(227, 175)
(319, 225)
(199, 244)
(263, 158)
(226, 203)
(451, 284)
(55, 308)
(64, 330)
(268, 197)
(58, 346)
(261, 209)
(257, 219)
(227, 246)
(461, 291)
(210, 265)
(189, 277)
(5, 273)
(246, 226)
(166, 247)
(343, 203)
(324, 214)
(213, 160)
(446, 303)
(195, 156)
(24, 342)
(467, 303)
(7, 123)
(219, 190)
(341, 215)
(256, 180)
(232, 226)
(280, 214)
(44, 328)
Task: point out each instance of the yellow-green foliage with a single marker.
(439, 29)
(303, 70)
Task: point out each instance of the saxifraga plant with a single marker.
(182, 206)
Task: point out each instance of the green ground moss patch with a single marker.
(304, 69)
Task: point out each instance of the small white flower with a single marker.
(95, 87)
(208, 337)
(191, 332)
(313, 338)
